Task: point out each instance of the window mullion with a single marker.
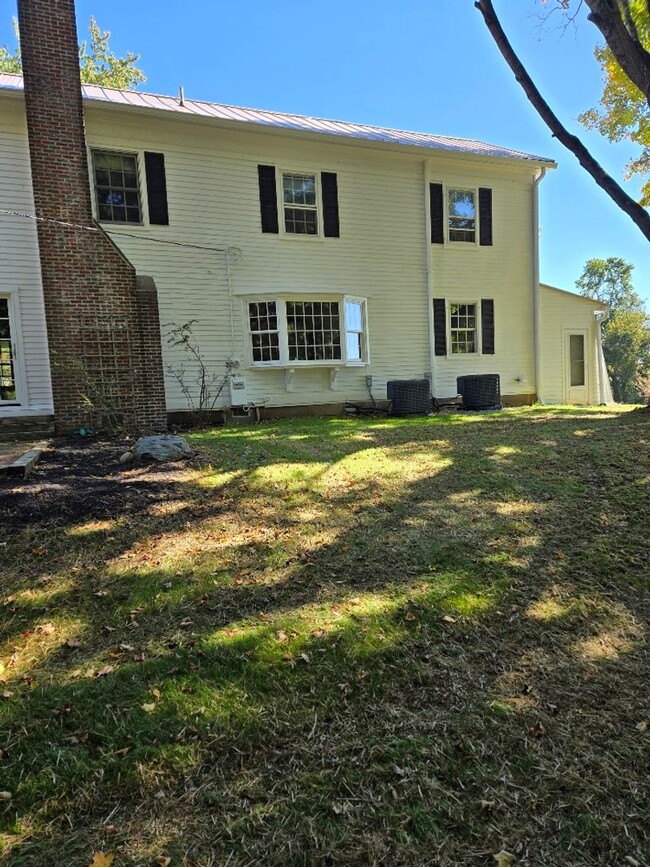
(283, 331)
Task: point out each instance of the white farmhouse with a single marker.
(318, 259)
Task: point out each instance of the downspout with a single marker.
(537, 355)
(600, 317)
(428, 300)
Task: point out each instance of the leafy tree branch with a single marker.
(98, 64)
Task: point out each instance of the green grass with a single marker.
(331, 641)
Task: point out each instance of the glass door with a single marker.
(576, 368)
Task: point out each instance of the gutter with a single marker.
(537, 363)
(428, 282)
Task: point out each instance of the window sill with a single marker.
(122, 225)
(458, 245)
(277, 365)
(287, 236)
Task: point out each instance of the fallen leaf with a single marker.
(72, 643)
(632, 861)
(5, 796)
(127, 647)
(642, 726)
(448, 618)
(504, 859)
(46, 628)
(100, 859)
(487, 805)
(163, 861)
(107, 669)
(149, 708)
(184, 624)
(155, 693)
(538, 730)
(281, 636)
(410, 616)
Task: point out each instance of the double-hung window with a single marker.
(308, 331)
(463, 328)
(117, 188)
(265, 337)
(300, 203)
(355, 330)
(461, 214)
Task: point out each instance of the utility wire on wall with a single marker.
(236, 252)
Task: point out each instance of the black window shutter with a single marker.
(268, 199)
(487, 326)
(330, 193)
(154, 166)
(440, 325)
(437, 214)
(485, 216)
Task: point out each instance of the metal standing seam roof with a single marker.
(302, 123)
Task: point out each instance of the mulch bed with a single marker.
(83, 480)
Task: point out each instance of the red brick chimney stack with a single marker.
(102, 322)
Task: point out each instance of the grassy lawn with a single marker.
(333, 641)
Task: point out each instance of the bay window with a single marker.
(288, 332)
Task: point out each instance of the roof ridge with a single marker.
(311, 123)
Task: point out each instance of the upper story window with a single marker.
(300, 197)
(117, 189)
(308, 331)
(461, 210)
(463, 328)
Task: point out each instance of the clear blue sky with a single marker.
(426, 65)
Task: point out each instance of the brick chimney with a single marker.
(102, 321)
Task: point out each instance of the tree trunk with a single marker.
(626, 46)
(626, 203)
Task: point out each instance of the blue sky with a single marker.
(426, 65)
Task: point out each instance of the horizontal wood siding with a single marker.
(561, 313)
(213, 199)
(502, 272)
(19, 262)
(213, 194)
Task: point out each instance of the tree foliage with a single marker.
(626, 334)
(98, 64)
(623, 112)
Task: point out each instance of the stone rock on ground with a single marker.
(164, 447)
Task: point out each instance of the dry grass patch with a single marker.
(332, 641)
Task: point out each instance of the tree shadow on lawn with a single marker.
(352, 695)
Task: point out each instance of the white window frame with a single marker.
(15, 330)
(365, 343)
(281, 308)
(477, 307)
(318, 207)
(140, 174)
(279, 313)
(461, 245)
